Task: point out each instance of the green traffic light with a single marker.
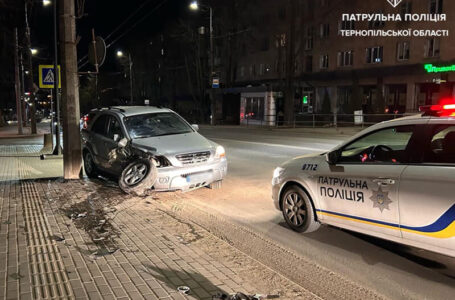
(305, 100)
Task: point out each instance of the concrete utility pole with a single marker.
(17, 84)
(29, 86)
(289, 114)
(72, 152)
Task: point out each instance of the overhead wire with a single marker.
(84, 60)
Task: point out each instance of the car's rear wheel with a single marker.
(138, 177)
(298, 211)
(89, 165)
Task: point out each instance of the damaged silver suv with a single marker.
(150, 148)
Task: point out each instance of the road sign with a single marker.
(46, 77)
(216, 83)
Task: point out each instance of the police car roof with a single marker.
(137, 110)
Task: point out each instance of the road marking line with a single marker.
(275, 145)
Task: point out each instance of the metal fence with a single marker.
(323, 120)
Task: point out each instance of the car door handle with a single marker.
(384, 181)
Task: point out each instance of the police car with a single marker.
(395, 180)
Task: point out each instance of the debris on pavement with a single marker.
(57, 238)
(92, 216)
(242, 296)
(183, 290)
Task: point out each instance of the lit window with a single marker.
(374, 55)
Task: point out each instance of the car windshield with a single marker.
(158, 124)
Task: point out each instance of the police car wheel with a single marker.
(298, 210)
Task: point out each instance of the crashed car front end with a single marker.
(191, 171)
(185, 171)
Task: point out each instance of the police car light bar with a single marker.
(445, 109)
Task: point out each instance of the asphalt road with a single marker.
(394, 270)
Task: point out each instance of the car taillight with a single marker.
(446, 108)
(85, 120)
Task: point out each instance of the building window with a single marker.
(252, 70)
(325, 30)
(265, 44)
(309, 38)
(254, 109)
(347, 25)
(280, 40)
(309, 63)
(324, 63)
(375, 24)
(432, 48)
(403, 50)
(406, 8)
(345, 58)
(374, 55)
(242, 71)
(436, 6)
(261, 69)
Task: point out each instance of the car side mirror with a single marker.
(333, 157)
(123, 142)
(195, 127)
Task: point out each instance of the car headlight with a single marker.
(278, 172)
(220, 152)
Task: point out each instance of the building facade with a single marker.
(336, 73)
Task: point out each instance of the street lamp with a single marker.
(194, 5)
(120, 54)
(34, 51)
(46, 2)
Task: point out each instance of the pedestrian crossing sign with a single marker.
(47, 77)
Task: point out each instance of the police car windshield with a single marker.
(157, 124)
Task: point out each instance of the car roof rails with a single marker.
(117, 108)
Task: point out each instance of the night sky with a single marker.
(105, 16)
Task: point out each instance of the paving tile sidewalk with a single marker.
(88, 240)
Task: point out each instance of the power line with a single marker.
(129, 29)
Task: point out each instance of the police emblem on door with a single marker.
(394, 3)
(381, 199)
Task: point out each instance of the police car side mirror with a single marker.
(195, 127)
(332, 157)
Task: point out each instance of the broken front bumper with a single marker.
(187, 178)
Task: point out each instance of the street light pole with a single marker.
(30, 88)
(212, 64)
(57, 150)
(131, 78)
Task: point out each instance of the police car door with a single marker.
(361, 191)
(427, 202)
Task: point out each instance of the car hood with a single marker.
(175, 144)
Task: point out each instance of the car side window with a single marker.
(99, 126)
(442, 147)
(387, 145)
(114, 129)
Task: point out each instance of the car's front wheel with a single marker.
(138, 177)
(298, 211)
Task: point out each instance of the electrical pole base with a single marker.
(57, 150)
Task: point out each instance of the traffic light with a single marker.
(305, 100)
